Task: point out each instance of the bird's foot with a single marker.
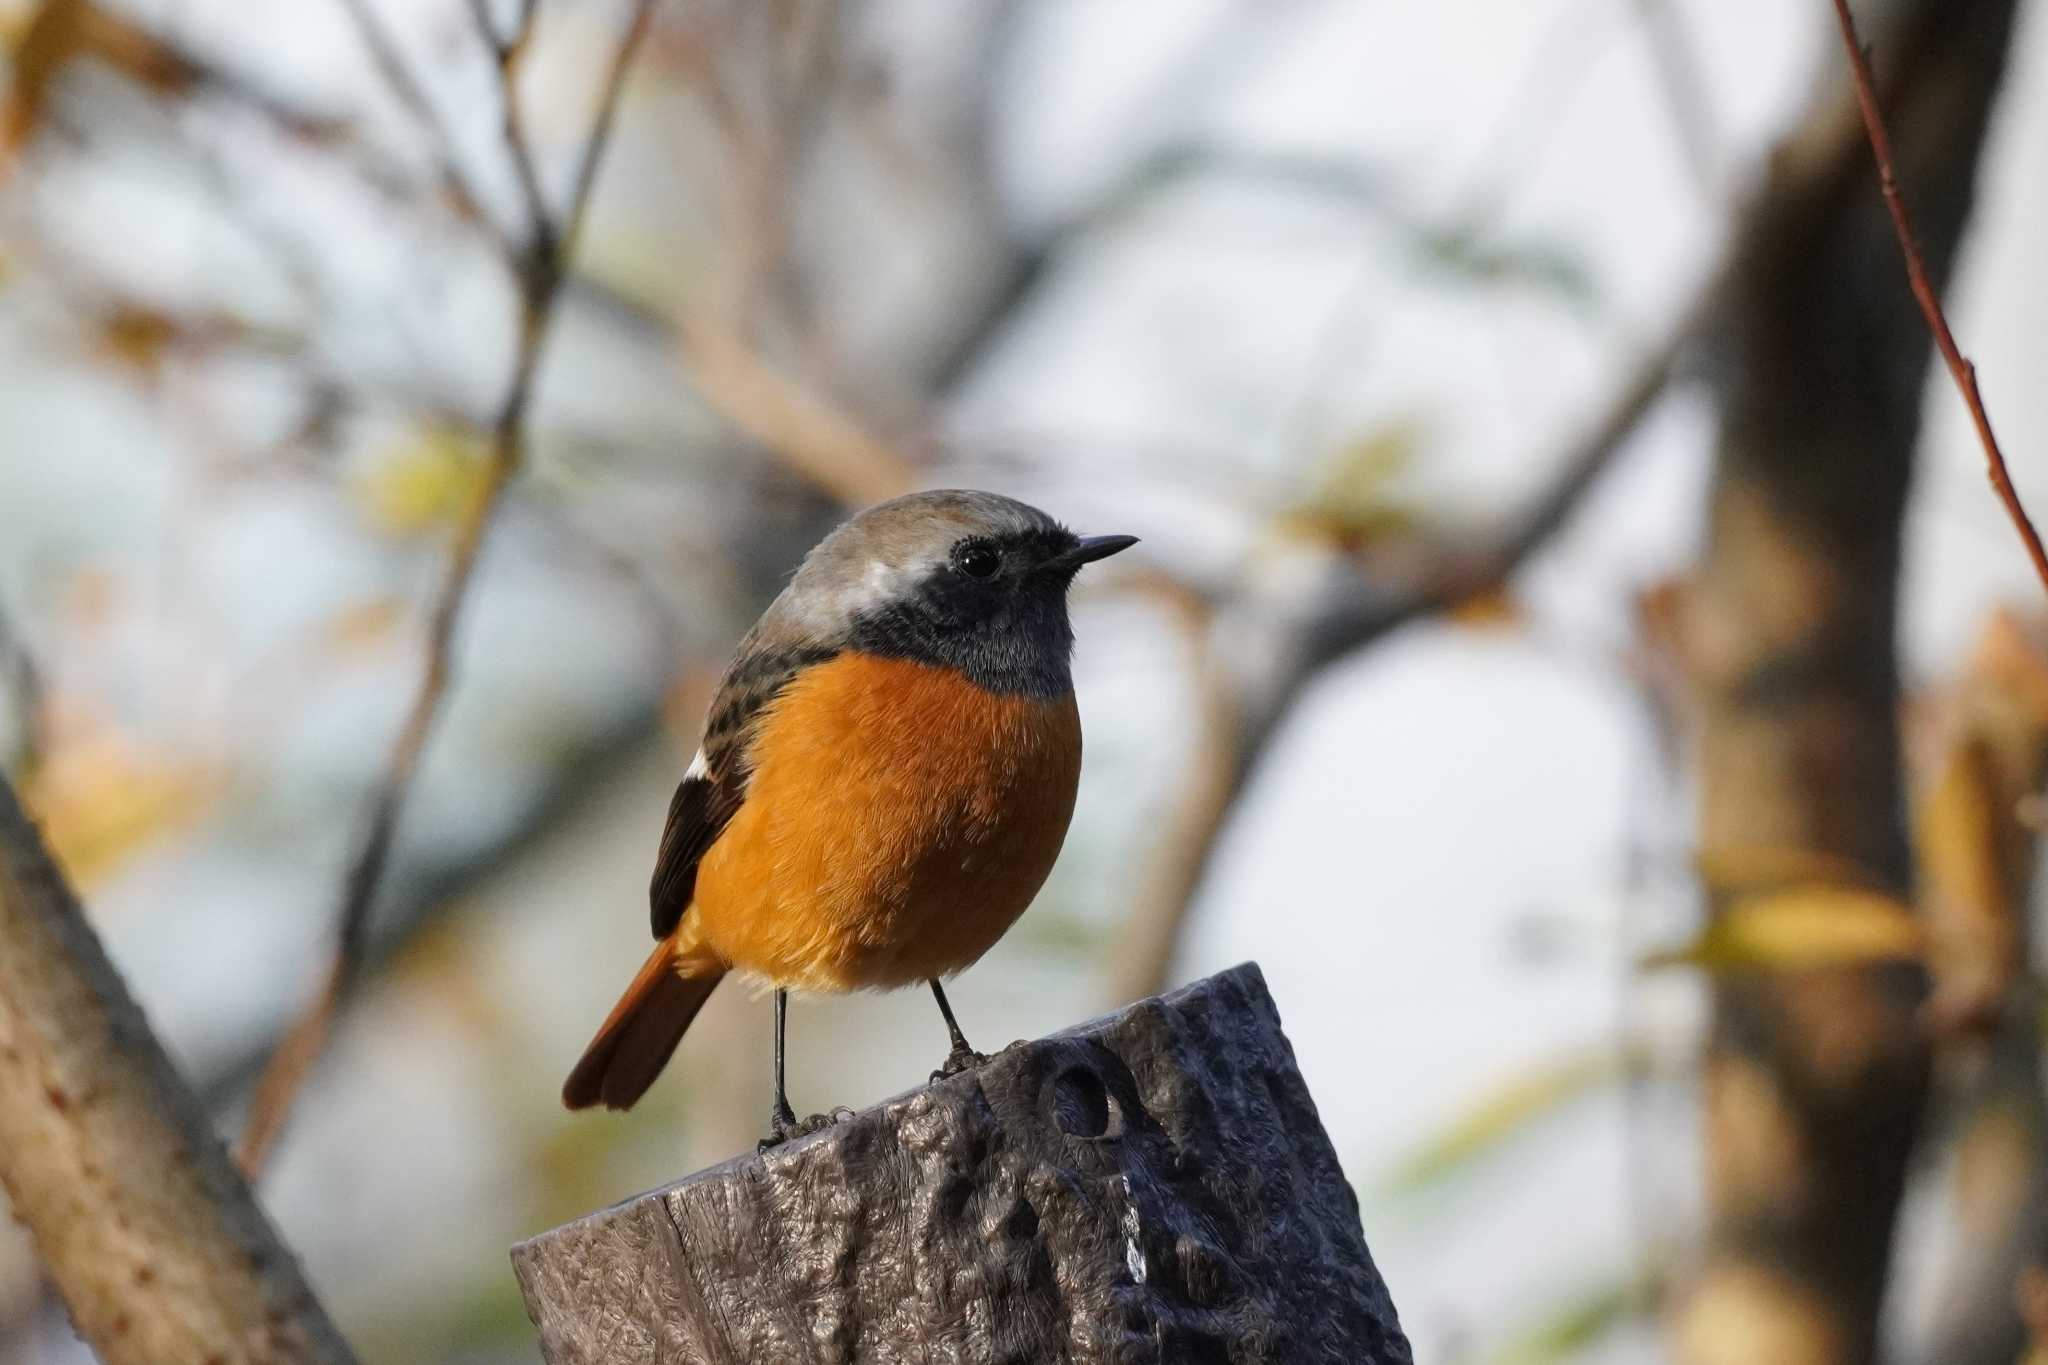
(958, 1060)
(784, 1125)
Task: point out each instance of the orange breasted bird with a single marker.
(885, 778)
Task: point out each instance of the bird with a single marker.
(886, 774)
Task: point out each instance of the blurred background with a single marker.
(1573, 649)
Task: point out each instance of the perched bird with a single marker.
(886, 775)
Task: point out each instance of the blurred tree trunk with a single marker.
(1815, 1080)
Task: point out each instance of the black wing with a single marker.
(697, 814)
(714, 788)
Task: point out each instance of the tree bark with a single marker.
(148, 1231)
(1815, 1080)
(1154, 1186)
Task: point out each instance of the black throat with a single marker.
(1017, 643)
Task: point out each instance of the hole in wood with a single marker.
(1082, 1105)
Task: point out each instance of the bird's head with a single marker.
(958, 578)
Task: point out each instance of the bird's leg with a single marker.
(782, 1120)
(962, 1057)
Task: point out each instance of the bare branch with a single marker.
(1358, 612)
(829, 446)
(518, 146)
(601, 128)
(543, 268)
(155, 1242)
(1960, 368)
(398, 76)
(302, 1046)
(1354, 615)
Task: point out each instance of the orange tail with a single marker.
(643, 1030)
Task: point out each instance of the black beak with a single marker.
(1093, 548)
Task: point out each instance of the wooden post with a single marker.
(1153, 1186)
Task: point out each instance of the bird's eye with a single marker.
(977, 560)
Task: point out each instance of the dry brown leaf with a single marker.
(2013, 655)
(136, 337)
(1494, 609)
(64, 30)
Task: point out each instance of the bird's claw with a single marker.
(784, 1125)
(958, 1060)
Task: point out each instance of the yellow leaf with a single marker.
(1361, 470)
(426, 484)
(101, 796)
(1804, 927)
(1351, 503)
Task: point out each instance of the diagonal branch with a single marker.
(1354, 615)
(156, 1244)
(1357, 613)
(1960, 368)
(540, 279)
(507, 51)
(391, 66)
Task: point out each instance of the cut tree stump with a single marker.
(1153, 1186)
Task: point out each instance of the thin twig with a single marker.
(398, 76)
(1960, 368)
(539, 283)
(807, 428)
(601, 128)
(286, 1074)
(540, 226)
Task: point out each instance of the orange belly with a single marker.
(898, 821)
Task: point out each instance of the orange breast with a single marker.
(899, 820)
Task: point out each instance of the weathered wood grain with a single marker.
(1153, 1186)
